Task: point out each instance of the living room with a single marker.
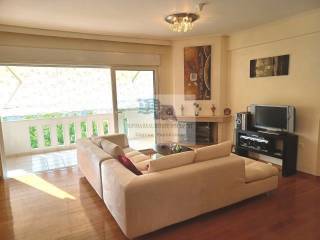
(135, 42)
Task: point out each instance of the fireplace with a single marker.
(201, 133)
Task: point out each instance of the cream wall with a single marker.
(218, 74)
(298, 36)
(218, 79)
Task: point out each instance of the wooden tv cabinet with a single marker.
(282, 145)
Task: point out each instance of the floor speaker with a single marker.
(243, 120)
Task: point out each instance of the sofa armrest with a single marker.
(90, 157)
(88, 150)
(118, 138)
(115, 179)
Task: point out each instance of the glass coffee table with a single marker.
(163, 149)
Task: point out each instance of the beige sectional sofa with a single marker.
(188, 186)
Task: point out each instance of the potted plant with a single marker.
(197, 108)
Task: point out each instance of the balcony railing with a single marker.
(44, 135)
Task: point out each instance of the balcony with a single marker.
(45, 144)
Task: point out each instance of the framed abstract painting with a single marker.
(270, 66)
(197, 73)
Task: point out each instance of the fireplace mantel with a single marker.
(218, 122)
(204, 118)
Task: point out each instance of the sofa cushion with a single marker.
(130, 154)
(248, 161)
(128, 150)
(139, 158)
(143, 166)
(171, 161)
(113, 149)
(135, 156)
(214, 151)
(97, 140)
(255, 171)
(119, 139)
(128, 164)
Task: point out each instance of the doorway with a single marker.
(135, 104)
(45, 109)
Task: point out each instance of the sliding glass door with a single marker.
(47, 108)
(135, 106)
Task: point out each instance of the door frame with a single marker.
(3, 163)
(114, 90)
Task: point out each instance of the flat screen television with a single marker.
(274, 118)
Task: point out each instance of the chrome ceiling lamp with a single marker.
(181, 22)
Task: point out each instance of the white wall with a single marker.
(298, 36)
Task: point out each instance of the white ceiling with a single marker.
(145, 18)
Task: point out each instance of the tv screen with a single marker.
(271, 117)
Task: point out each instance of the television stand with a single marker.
(282, 145)
(269, 132)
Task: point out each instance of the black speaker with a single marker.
(243, 120)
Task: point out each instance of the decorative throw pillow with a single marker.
(214, 151)
(171, 161)
(113, 149)
(128, 164)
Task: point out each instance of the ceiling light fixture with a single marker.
(181, 22)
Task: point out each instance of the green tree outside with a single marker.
(83, 126)
(33, 137)
(60, 134)
(47, 136)
(94, 128)
(105, 127)
(72, 132)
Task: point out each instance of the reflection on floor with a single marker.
(68, 209)
(41, 162)
(59, 159)
(33, 180)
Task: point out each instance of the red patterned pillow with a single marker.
(128, 164)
